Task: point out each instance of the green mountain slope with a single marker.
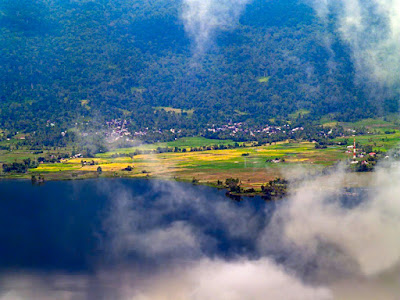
(73, 61)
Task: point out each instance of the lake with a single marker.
(151, 239)
(71, 225)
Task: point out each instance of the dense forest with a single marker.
(81, 63)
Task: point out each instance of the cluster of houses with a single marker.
(360, 154)
(241, 127)
(146, 131)
(117, 129)
(350, 150)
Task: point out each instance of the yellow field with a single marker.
(252, 165)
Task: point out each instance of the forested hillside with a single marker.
(70, 61)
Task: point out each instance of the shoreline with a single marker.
(93, 175)
(363, 180)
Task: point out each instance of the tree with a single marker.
(233, 184)
(275, 189)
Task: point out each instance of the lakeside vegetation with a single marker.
(203, 161)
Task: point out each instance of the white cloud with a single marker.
(363, 238)
(203, 18)
(372, 30)
(242, 279)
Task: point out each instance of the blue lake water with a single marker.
(72, 225)
(98, 239)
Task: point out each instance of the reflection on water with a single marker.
(140, 239)
(71, 226)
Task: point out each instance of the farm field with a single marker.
(380, 142)
(175, 110)
(253, 165)
(186, 143)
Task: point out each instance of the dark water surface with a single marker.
(125, 239)
(74, 225)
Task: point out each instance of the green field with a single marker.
(379, 142)
(264, 79)
(175, 110)
(187, 143)
(375, 125)
(253, 165)
(296, 114)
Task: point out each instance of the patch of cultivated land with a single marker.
(251, 164)
(187, 143)
(254, 166)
